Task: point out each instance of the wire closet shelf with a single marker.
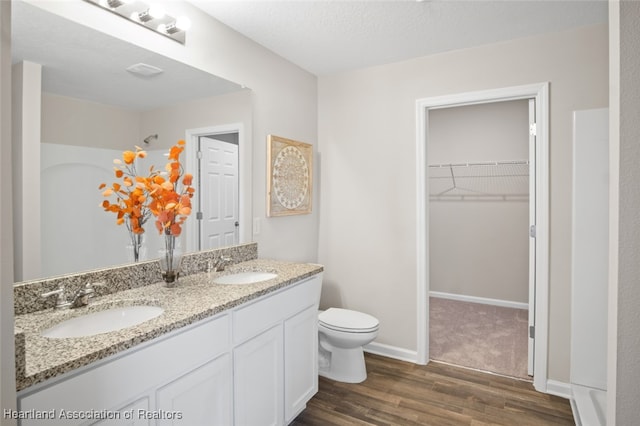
(487, 181)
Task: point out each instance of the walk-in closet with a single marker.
(479, 215)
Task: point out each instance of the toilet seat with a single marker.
(348, 321)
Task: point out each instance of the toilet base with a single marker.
(345, 365)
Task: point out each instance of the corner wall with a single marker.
(623, 385)
(7, 359)
(367, 133)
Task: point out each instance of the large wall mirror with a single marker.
(92, 108)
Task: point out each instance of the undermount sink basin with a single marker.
(103, 321)
(250, 277)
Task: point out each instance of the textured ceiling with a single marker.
(329, 36)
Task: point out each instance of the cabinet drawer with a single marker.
(271, 309)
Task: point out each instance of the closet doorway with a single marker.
(515, 179)
(478, 179)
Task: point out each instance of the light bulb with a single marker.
(153, 12)
(113, 4)
(183, 23)
(156, 11)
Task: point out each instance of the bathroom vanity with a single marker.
(218, 355)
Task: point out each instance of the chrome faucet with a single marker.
(80, 298)
(61, 300)
(218, 264)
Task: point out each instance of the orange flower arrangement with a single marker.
(131, 195)
(170, 205)
(138, 197)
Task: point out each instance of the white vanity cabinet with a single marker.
(142, 383)
(255, 364)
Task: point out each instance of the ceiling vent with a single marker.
(144, 70)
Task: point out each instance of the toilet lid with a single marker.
(347, 320)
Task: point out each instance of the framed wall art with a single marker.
(289, 176)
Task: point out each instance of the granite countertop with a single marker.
(195, 298)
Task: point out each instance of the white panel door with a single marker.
(218, 194)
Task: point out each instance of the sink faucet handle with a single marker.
(61, 300)
(59, 292)
(82, 296)
(220, 263)
(91, 286)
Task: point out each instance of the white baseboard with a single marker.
(391, 352)
(560, 389)
(483, 300)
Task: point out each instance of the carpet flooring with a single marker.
(484, 337)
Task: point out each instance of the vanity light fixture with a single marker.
(151, 16)
(153, 12)
(181, 24)
(114, 3)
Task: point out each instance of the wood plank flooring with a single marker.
(402, 393)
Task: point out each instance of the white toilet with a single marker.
(342, 333)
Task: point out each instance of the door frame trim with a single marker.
(539, 91)
(244, 177)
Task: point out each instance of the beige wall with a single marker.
(624, 292)
(170, 123)
(480, 247)
(7, 359)
(367, 134)
(71, 121)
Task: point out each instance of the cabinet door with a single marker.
(199, 398)
(131, 415)
(300, 361)
(258, 380)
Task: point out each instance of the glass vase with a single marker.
(170, 258)
(136, 249)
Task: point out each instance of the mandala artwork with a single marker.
(290, 177)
